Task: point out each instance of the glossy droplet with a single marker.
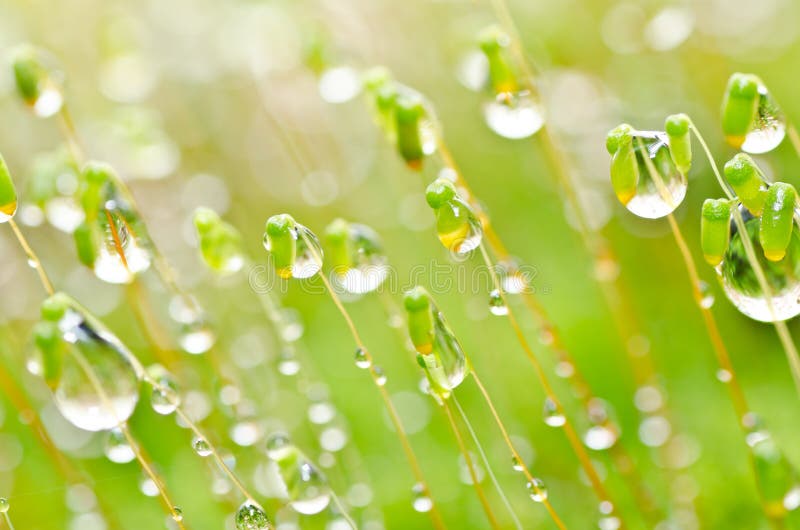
(420, 500)
(306, 486)
(768, 127)
(356, 254)
(339, 85)
(724, 376)
(201, 446)
(516, 465)
(497, 305)
(512, 279)
(654, 431)
(600, 437)
(552, 415)
(177, 514)
(104, 396)
(706, 295)
(661, 187)
(380, 375)
(775, 475)
(4, 505)
(165, 397)
(514, 115)
(538, 490)
(197, 338)
(250, 516)
(148, 487)
(741, 286)
(308, 254)
(117, 449)
(362, 360)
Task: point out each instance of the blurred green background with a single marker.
(194, 101)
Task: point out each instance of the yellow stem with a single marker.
(343, 511)
(33, 259)
(487, 507)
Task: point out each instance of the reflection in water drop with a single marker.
(514, 116)
(769, 125)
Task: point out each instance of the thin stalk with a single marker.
(517, 457)
(487, 507)
(33, 259)
(7, 519)
(572, 436)
(485, 459)
(780, 326)
(393, 415)
(342, 511)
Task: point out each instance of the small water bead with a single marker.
(288, 364)
(339, 84)
(497, 305)
(565, 369)
(380, 376)
(706, 295)
(421, 501)
(752, 120)
(791, 501)
(201, 446)
(306, 486)
(600, 437)
(609, 523)
(457, 225)
(741, 286)
(655, 431)
(197, 338)
(321, 413)
(294, 249)
(512, 278)
(724, 376)
(514, 115)
(643, 173)
(4, 505)
(553, 416)
(165, 398)
(250, 516)
(246, 433)
(362, 360)
(356, 254)
(117, 449)
(148, 487)
(648, 398)
(537, 489)
(121, 253)
(177, 514)
(516, 465)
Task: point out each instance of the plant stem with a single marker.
(342, 511)
(780, 326)
(794, 137)
(33, 259)
(7, 519)
(393, 415)
(517, 457)
(485, 460)
(487, 507)
(569, 430)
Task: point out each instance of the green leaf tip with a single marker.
(440, 192)
(739, 107)
(777, 220)
(715, 223)
(416, 299)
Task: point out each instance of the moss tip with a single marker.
(439, 192)
(416, 299)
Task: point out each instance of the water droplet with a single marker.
(724, 376)
(512, 278)
(362, 266)
(49, 102)
(661, 192)
(4, 505)
(165, 397)
(537, 489)
(333, 439)
(420, 500)
(706, 295)
(739, 280)
(791, 501)
(497, 305)
(197, 338)
(600, 438)
(769, 127)
(64, 214)
(362, 361)
(246, 433)
(468, 232)
(655, 431)
(250, 516)
(306, 486)
(121, 253)
(117, 449)
(76, 394)
(546, 336)
(339, 85)
(565, 369)
(514, 115)
(516, 465)
(201, 446)
(148, 487)
(609, 523)
(321, 413)
(380, 376)
(552, 415)
(308, 257)
(288, 364)
(177, 514)
(444, 361)
(648, 399)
